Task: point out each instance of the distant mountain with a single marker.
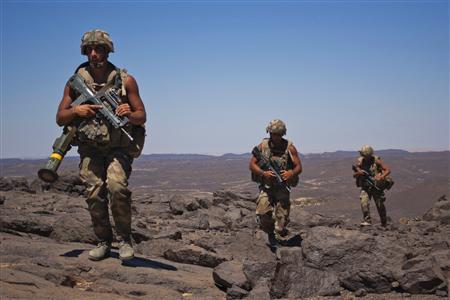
(234, 156)
(153, 157)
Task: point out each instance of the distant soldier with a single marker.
(106, 152)
(371, 175)
(273, 203)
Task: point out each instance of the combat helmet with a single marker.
(276, 126)
(96, 37)
(366, 150)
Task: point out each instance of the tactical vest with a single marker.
(371, 166)
(96, 132)
(373, 169)
(282, 157)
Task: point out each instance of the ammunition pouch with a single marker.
(135, 147)
(94, 132)
(98, 134)
(294, 180)
(385, 184)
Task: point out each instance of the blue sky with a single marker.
(212, 74)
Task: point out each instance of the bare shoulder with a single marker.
(130, 82)
(292, 149)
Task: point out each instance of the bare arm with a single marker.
(297, 169)
(384, 167)
(135, 110)
(66, 113)
(358, 172)
(254, 168)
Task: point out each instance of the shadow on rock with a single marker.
(136, 262)
(73, 253)
(139, 262)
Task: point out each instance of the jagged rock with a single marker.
(195, 255)
(192, 204)
(203, 223)
(360, 293)
(140, 235)
(359, 259)
(420, 276)
(236, 292)
(180, 203)
(5, 184)
(37, 186)
(2, 199)
(176, 204)
(440, 212)
(301, 219)
(17, 183)
(249, 246)
(29, 224)
(260, 291)
(225, 197)
(231, 273)
(232, 216)
(68, 228)
(168, 233)
(205, 202)
(66, 183)
(291, 272)
(157, 248)
(259, 270)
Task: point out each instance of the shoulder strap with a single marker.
(123, 79)
(288, 152)
(265, 149)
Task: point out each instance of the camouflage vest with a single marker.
(282, 157)
(98, 133)
(373, 169)
(370, 166)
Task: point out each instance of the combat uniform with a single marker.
(368, 192)
(106, 164)
(273, 203)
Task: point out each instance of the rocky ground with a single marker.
(203, 245)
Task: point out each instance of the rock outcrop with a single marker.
(208, 246)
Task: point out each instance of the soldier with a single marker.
(106, 154)
(273, 204)
(371, 175)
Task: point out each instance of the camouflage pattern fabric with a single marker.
(105, 175)
(378, 198)
(272, 210)
(276, 126)
(96, 37)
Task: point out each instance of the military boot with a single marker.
(100, 252)
(365, 223)
(126, 251)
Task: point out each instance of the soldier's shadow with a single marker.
(136, 262)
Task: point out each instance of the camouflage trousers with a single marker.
(379, 198)
(105, 175)
(272, 210)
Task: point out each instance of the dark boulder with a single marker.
(68, 228)
(231, 273)
(293, 279)
(195, 255)
(360, 260)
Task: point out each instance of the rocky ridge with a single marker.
(201, 245)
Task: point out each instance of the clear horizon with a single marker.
(213, 74)
(72, 154)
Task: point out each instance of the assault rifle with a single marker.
(367, 178)
(109, 100)
(268, 164)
